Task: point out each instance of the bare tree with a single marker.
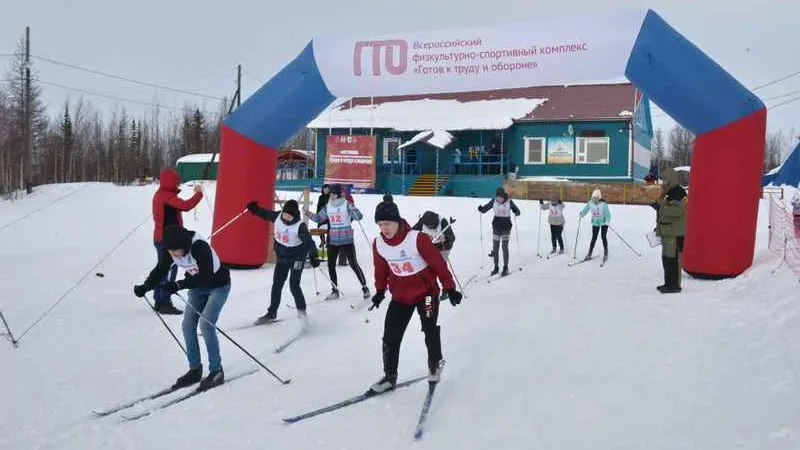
(773, 150)
(658, 156)
(680, 146)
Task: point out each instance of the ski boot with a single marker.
(365, 293)
(270, 316)
(495, 271)
(385, 384)
(167, 308)
(189, 378)
(212, 380)
(435, 371)
(505, 271)
(334, 295)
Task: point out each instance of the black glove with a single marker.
(541, 202)
(173, 286)
(377, 299)
(655, 205)
(252, 206)
(140, 289)
(315, 262)
(479, 209)
(454, 296)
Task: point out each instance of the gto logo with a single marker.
(395, 66)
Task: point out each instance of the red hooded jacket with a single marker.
(167, 206)
(410, 290)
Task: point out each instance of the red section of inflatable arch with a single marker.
(248, 174)
(723, 198)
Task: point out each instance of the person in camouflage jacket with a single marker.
(671, 227)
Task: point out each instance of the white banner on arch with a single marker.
(546, 52)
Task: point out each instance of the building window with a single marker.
(534, 150)
(390, 152)
(594, 150)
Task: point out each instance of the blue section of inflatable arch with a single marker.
(286, 104)
(684, 82)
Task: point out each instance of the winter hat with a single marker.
(175, 237)
(292, 208)
(597, 194)
(501, 193)
(387, 210)
(430, 219)
(336, 189)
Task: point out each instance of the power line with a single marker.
(786, 102)
(793, 74)
(111, 97)
(129, 80)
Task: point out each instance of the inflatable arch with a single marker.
(728, 120)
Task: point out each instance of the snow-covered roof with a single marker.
(774, 171)
(198, 158)
(436, 138)
(682, 169)
(427, 114)
(625, 113)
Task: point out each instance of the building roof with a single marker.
(496, 109)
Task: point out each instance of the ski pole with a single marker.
(626, 242)
(10, 334)
(329, 279)
(539, 235)
(229, 222)
(480, 222)
(177, 341)
(453, 271)
(516, 235)
(89, 272)
(577, 235)
(287, 381)
(364, 233)
(316, 286)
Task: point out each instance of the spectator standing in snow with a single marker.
(167, 208)
(555, 218)
(601, 218)
(293, 244)
(321, 202)
(340, 214)
(209, 284)
(407, 264)
(671, 227)
(501, 226)
(441, 233)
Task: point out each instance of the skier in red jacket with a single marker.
(167, 208)
(407, 262)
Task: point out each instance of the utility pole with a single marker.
(238, 85)
(28, 178)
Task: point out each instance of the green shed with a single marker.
(191, 167)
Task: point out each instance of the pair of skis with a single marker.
(423, 416)
(602, 263)
(134, 415)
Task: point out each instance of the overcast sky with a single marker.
(195, 45)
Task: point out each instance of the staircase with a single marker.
(427, 185)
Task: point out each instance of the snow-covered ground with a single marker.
(551, 357)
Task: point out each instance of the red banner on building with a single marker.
(350, 159)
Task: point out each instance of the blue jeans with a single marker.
(208, 302)
(159, 294)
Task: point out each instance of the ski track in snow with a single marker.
(550, 357)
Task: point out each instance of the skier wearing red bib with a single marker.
(293, 244)
(408, 264)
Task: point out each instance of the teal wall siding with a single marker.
(619, 142)
(472, 186)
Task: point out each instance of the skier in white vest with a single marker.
(441, 233)
(292, 244)
(501, 226)
(209, 283)
(408, 264)
(340, 215)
